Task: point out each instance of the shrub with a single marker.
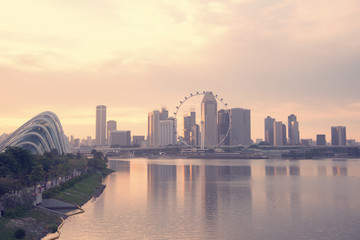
(52, 228)
(19, 233)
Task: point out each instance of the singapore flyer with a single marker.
(200, 125)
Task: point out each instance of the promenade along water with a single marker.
(224, 199)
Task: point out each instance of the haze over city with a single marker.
(275, 58)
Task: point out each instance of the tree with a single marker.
(37, 174)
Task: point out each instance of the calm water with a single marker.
(224, 199)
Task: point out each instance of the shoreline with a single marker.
(63, 216)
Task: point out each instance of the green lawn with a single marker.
(81, 191)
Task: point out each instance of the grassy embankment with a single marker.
(37, 222)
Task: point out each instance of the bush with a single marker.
(14, 212)
(19, 233)
(52, 228)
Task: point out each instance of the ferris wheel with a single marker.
(218, 100)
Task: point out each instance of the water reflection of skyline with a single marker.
(265, 199)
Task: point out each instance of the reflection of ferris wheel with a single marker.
(218, 99)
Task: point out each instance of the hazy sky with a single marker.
(275, 57)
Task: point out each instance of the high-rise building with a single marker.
(320, 140)
(338, 136)
(223, 127)
(195, 136)
(293, 129)
(284, 134)
(189, 122)
(279, 133)
(120, 138)
(110, 126)
(164, 114)
(101, 125)
(167, 132)
(269, 130)
(240, 132)
(208, 120)
(154, 129)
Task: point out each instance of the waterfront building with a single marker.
(40, 134)
(279, 133)
(154, 129)
(120, 138)
(167, 132)
(100, 125)
(338, 136)
(111, 125)
(320, 140)
(240, 132)
(223, 126)
(138, 140)
(269, 130)
(208, 120)
(293, 130)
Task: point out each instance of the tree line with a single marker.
(19, 168)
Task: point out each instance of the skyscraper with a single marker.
(189, 122)
(110, 126)
(240, 132)
(338, 136)
(269, 130)
(101, 125)
(223, 126)
(279, 133)
(293, 129)
(154, 129)
(208, 120)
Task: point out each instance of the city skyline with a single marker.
(273, 58)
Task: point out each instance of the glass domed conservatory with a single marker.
(40, 134)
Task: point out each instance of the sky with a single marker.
(274, 57)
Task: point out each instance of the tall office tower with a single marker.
(111, 126)
(240, 132)
(120, 138)
(269, 130)
(195, 135)
(338, 136)
(223, 126)
(101, 125)
(208, 121)
(164, 114)
(154, 129)
(284, 141)
(278, 134)
(167, 132)
(293, 129)
(320, 140)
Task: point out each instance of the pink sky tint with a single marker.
(273, 57)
